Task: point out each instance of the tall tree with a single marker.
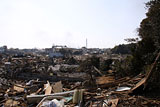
(149, 32)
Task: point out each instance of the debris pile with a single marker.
(37, 81)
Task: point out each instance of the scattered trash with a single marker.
(53, 103)
(37, 80)
(123, 89)
(30, 82)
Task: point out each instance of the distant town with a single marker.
(55, 51)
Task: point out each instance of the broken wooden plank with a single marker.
(11, 103)
(36, 98)
(57, 87)
(113, 102)
(138, 85)
(47, 88)
(18, 88)
(144, 81)
(104, 80)
(98, 71)
(151, 71)
(116, 82)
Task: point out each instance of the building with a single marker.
(3, 49)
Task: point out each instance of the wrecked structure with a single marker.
(77, 80)
(3, 49)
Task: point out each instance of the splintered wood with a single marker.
(113, 102)
(144, 81)
(18, 88)
(57, 87)
(138, 85)
(104, 80)
(47, 88)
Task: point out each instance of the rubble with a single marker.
(34, 81)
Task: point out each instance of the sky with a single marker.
(43, 23)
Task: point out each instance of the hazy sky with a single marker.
(42, 23)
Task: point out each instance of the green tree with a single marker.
(146, 50)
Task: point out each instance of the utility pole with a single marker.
(86, 43)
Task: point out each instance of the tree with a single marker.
(149, 32)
